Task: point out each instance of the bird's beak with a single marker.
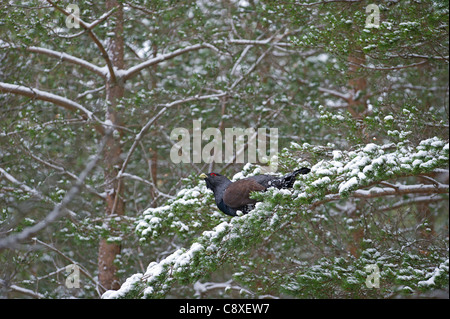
(202, 176)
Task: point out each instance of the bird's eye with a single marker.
(213, 174)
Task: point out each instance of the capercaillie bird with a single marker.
(231, 196)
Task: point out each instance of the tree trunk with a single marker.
(358, 84)
(112, 160)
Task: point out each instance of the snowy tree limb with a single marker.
(22, 290)
(46, 96)
(327, 181)
(268, 41)
(411, 201)
(324, 2)
(375, 192)
(58, 211)
(131, 72)
(63, 57)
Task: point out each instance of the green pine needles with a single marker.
(314, 240)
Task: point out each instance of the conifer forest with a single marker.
(117, 116)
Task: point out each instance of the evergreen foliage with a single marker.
(86, 177)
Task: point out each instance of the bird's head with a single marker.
(213, 180)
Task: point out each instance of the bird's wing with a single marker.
(264, 180)
(237, 194)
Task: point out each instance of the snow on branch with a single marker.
(309, 4)
(46, 96)
(62, 56)
(346, 175)
(127, 74)
(59, 210)
(21, 290)
(258, 42)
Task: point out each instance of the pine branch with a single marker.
(93, 36)
(48, 97)
(228, 240)
(131, 72)
(58, 211)
(62, 56)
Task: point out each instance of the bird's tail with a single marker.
(287, 181)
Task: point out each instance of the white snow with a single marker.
(345, 186)
(438, 271)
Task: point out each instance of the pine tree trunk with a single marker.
(112, 154)
(358, 85)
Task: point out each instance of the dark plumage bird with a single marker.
(233, 196)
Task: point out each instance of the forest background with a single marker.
(91, 204)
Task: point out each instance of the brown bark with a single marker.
(358, 83)
(114, 203)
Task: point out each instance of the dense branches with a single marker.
(228, 241)
(86, 176)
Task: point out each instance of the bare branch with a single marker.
(383, 68)
(65, 172)
(258, 61)
(137, 178)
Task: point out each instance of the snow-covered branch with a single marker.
(268, 41)
(309, 4)
(346, 176)
(21, 290)
(411, 201)
(99, 20)
(46, 96)
(62, 56)
(401, 190)
(21, 185)
(375, 192)
(131, 72)
(58, 211)
(344, 96)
